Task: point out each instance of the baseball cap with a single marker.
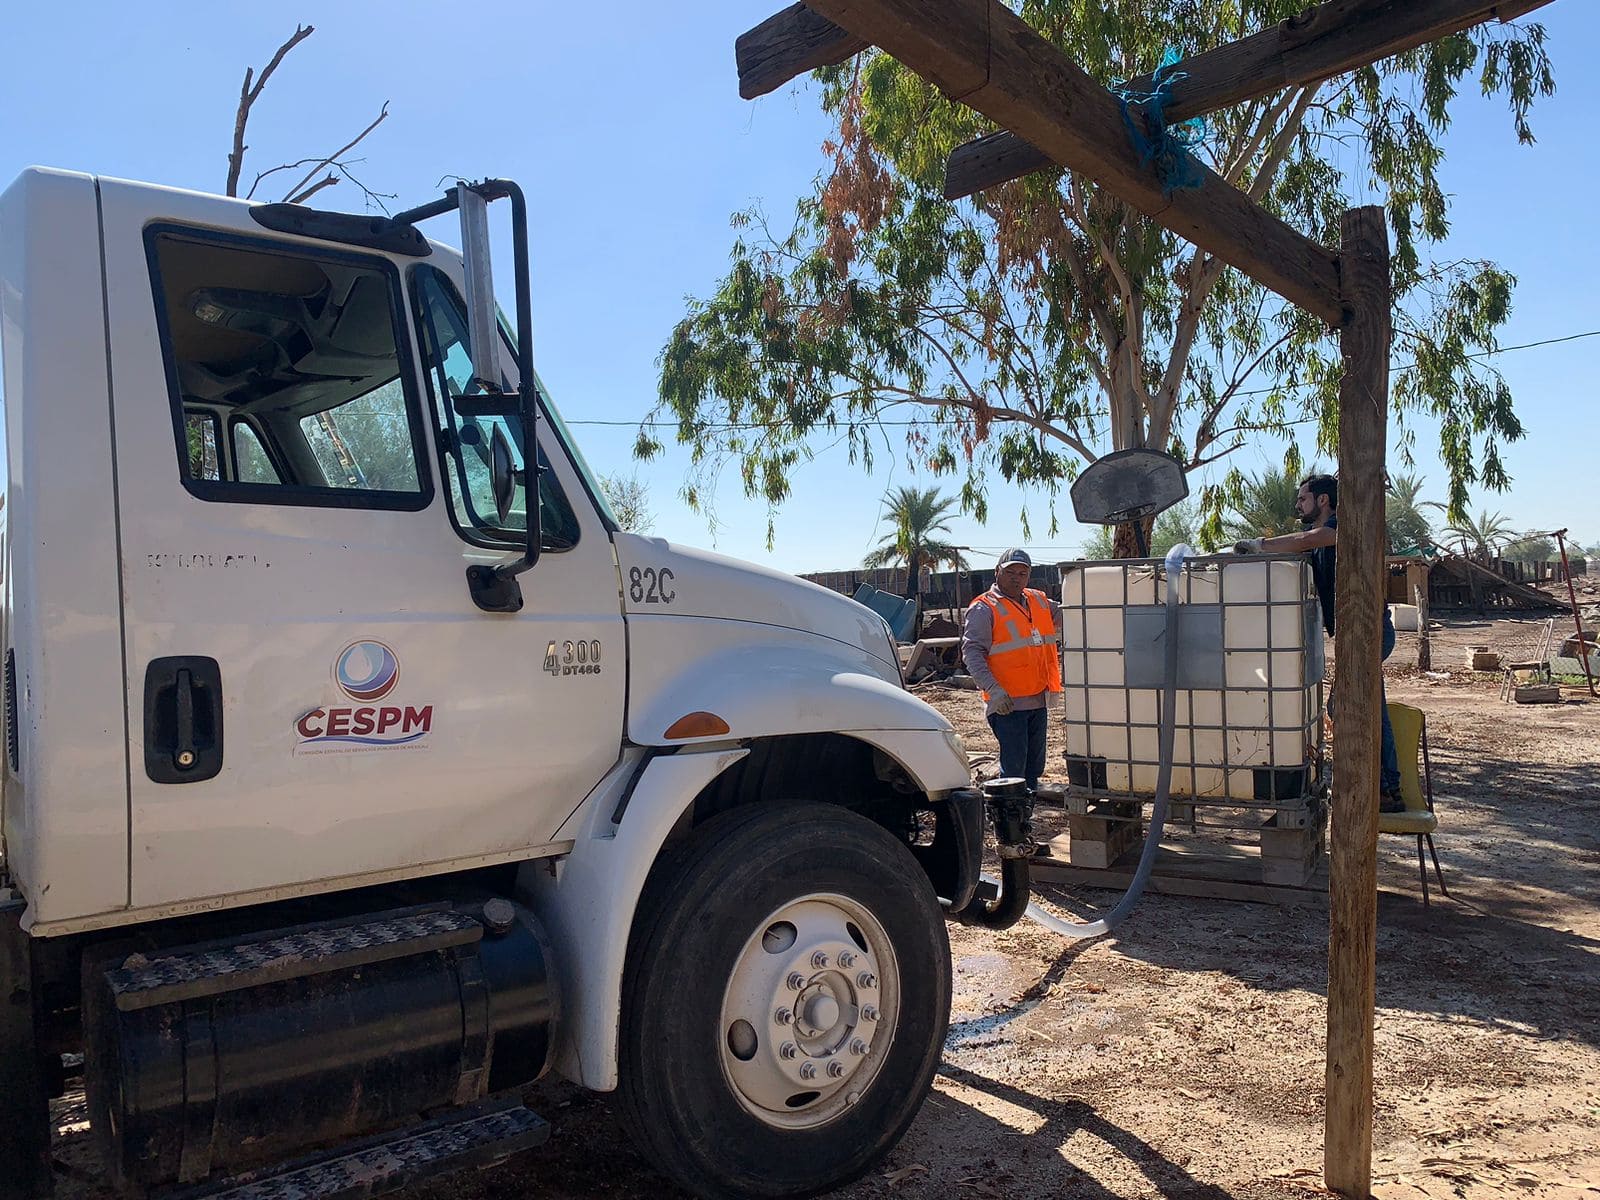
(1014, 556)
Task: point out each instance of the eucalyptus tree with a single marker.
(1027, 331)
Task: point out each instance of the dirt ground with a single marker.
(1183, 1056)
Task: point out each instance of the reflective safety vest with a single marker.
(1025, 654)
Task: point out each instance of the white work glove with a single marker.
(1000, 701)
(1248, 546)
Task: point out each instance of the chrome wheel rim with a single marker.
(809, 1011)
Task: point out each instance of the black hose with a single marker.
(1010, 906)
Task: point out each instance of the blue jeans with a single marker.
(1021, 734)
(1389, 777)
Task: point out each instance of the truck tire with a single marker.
(784, 1005)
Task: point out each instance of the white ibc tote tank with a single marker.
(1250, 677)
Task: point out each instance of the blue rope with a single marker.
(1166, 148)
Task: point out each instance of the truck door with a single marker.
(313, 696)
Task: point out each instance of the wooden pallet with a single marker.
(1213, 872)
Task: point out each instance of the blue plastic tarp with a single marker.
(899, 612)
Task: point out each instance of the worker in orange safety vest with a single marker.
(1010, 646)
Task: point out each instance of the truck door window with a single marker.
(464, 441)
(299, 353)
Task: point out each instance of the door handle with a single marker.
(182, 719)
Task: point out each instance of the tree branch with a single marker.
(1269, 118)
(1204, 272)
(248, 96)
(332, 160)
(302, 197)
(1280, 145)
(294, 166)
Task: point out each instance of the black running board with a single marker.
(477, 1136)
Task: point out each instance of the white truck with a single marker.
(342, 800)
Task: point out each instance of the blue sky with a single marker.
(628, 133)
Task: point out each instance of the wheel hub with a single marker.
(807, 1016)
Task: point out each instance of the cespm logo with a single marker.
(366, 671)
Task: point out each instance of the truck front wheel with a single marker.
(785, 1002)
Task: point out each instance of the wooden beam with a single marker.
(1364, 345)
(1328, 40)
(983, 54)
(786, 46)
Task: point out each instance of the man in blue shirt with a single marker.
(1317, 506)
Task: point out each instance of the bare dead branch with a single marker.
(302, 197)
(261, 175)
(248, 96)
(377, 198)
(333, 159)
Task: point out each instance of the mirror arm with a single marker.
(495, 589)
(526, 394)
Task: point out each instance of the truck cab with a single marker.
(283, 651)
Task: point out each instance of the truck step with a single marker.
(218, 967)
(478, 1136)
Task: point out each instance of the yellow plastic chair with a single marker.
(1418, 820)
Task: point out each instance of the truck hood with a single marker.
(660, 579)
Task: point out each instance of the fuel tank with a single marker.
(222, 1056)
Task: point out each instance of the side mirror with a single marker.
(483, 332)
(502, 474)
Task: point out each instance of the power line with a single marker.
(729, 426)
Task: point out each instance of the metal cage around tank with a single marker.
(1249, 743)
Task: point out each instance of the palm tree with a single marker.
(918, 514)
(1265, 507)
(1402, 515)
(1480, 537)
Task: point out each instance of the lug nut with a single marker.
(783, 1016)
(836, 1070)
(808, 1070)
(819, 960)
(867, 979)
(788, 1050)
(857, 1046)
(796, 981)
(869, 1013)
(847, 960)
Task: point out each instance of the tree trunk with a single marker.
(1125, 542)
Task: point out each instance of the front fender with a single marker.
(770, 682)
(587, 900)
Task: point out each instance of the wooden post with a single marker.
(1424, 647)
(1364, 343)
(1417, 593)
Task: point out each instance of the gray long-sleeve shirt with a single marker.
(977, 635)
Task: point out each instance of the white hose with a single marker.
(1158, 814)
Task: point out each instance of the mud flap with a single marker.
(954, 859)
